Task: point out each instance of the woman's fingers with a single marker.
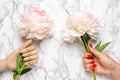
(89, 64)
(28, 49)
(89, 67)
(95, 52)
(30, 53)
(88, 61)
(87, 55)
(88, 70)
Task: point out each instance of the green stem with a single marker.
(87, 49)
(15, 78)
(85, 44)
(94, 75)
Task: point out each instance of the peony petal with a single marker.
(75, 33)
(68, 37)
(38, 22)
(80, 23)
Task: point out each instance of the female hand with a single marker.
(102, 64)
(28, 51)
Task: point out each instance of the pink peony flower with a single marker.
(80, 23)
(38, 22)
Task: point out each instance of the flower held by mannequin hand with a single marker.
(35, 24)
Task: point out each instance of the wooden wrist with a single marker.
(4, 65)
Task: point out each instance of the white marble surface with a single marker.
(59, 60)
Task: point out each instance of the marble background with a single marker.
(59, 60)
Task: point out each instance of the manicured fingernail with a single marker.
(94, 65)
(91, 45)
(90, 56)
(92, 62)
(93, 69)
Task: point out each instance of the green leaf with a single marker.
(104, 46)
(25, 70)
(101, 48)
(19, 61)
(98, 45)
(21, 68)
(15, 74)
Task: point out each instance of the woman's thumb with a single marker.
(95, 52)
